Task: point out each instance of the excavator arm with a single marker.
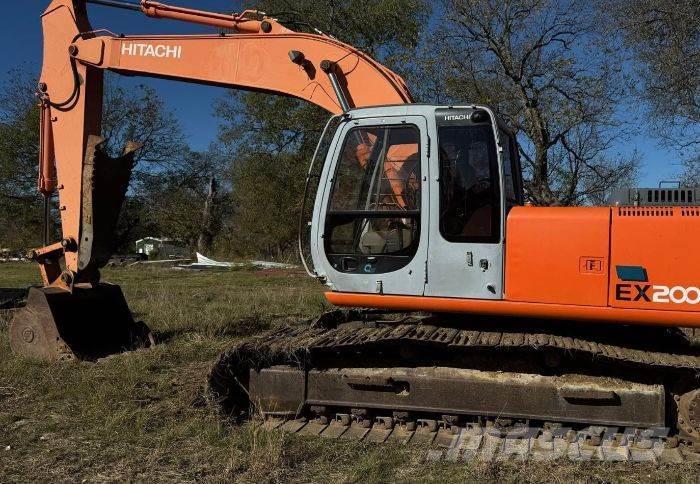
(262, 55)
(253, 52)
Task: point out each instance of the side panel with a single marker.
(655, 261)
(558, 255)
(462, 269)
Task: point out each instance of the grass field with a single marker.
(140, 416)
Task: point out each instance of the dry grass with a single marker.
(138, 416)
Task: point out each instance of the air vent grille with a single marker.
(645, 212)
(690, 211)
(675, 196)
(656, 197)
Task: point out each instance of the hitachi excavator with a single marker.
(459, 305)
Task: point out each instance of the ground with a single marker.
(141, 416)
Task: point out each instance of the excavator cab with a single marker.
(412, 199)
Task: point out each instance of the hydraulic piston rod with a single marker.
(117, 4)
(246, 22)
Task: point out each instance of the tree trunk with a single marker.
(206, 234)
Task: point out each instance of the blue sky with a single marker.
(21, 29)
(22, 41)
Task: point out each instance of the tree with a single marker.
(21, 209)
(272, 152)
(138, 115)
(663, 39)
(540, 64)
(211, 219)
(173, 201)
(381, 28)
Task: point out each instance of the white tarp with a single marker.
(204, 262)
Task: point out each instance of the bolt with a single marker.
(43, 87)
(266, 26)
(73, 50)
(69, 245)
(28, 335)
(297, 57)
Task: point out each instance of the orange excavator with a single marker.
(463, 306)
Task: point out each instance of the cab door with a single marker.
(466, 243)
(372, 215)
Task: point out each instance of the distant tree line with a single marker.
(573, 78)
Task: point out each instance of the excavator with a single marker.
(459, 307)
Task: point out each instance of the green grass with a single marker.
(139, 416)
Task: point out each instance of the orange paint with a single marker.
(549, 251)
(498, 308)
(662, 240)
(399, 168)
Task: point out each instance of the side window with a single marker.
(374, 207)
(469, 184)
(510, 182)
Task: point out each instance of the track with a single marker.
(548, 392)
(484, 441)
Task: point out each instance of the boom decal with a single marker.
(150, 50)
(657, 294)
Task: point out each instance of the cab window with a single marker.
(511, 171)
(469, 184)
(374, 207)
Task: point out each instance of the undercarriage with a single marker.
(470, 386)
